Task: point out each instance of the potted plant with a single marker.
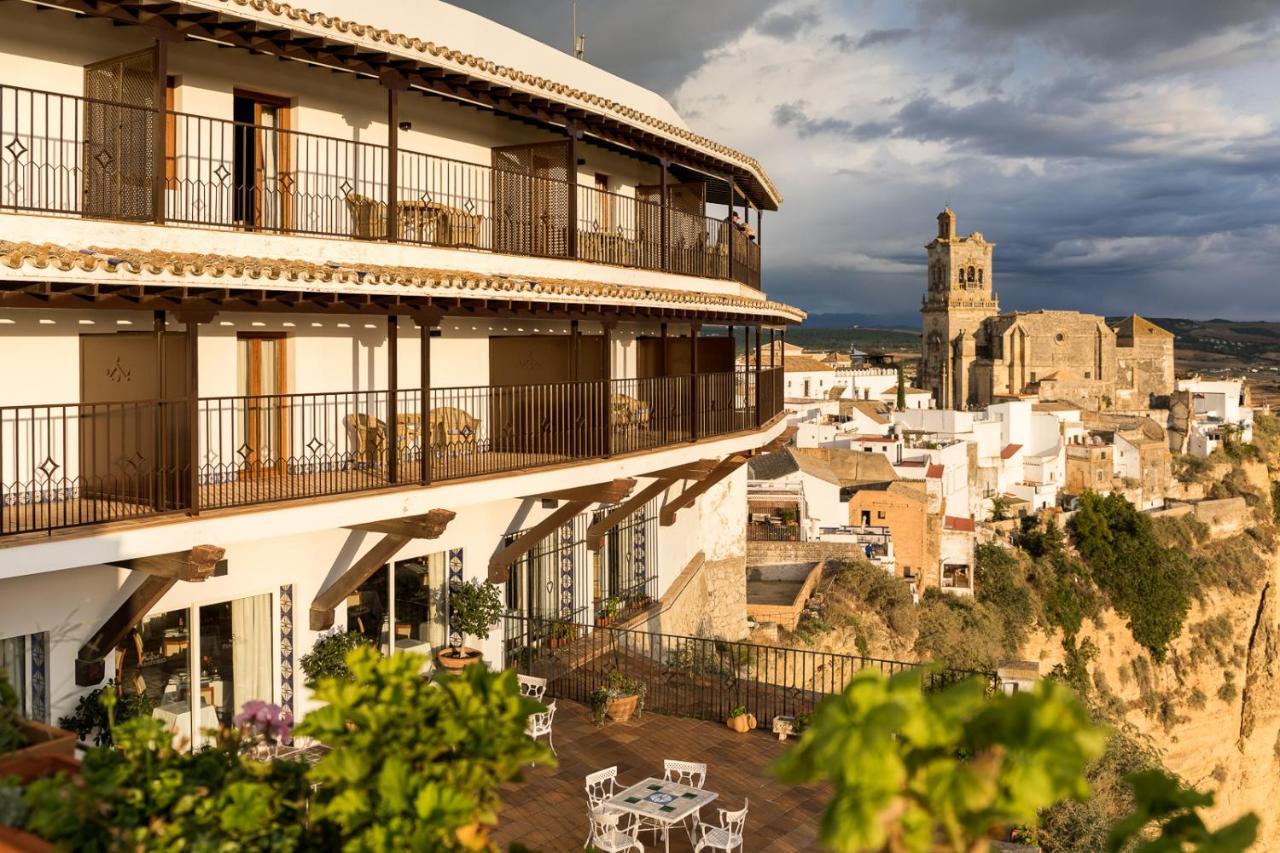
(561, 633)
(89, 719)
(328, 657)
(474, 607)
(740, 721)
(609, 610)
(29, 749)
(619, 699)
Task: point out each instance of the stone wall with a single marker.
(769, 553)
(707, 599)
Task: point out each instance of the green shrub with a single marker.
(885, 595)
(1002, 586)
(959, 632)
(90, 718)
(1147, 583)
(11, 737)
(328, 657)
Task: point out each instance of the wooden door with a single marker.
(262, 369)
(120, 115)
(263, 165)
(133, 436)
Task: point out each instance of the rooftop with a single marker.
(547, 811)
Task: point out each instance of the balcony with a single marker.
(65, 466)
(74, 156)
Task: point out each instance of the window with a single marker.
(227, 645)
(170, 130)
(15, 663)
(880, 513)
(980, 271)
(405, 604)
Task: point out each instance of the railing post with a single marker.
(160, 482)
(393, 391)
(393, 158)
(731, 227)
(571, 234)
(664, 227)
(607, 395)
(758, 354)
(425, 324)
(158, 133)
(192, 321)
(693, 380)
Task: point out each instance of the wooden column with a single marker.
(694, 396)
(192, 322)
(731, 229)
(393, 163)
(668, 399)
(393, 393)
(161, 419)
(159, 170)
(571, 237)
(606, 409)
(425, 325)
(664, 228)
(574, 341)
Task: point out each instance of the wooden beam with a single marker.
(605, 493)
(597, 531)
(689, 471)
(500, 563)
(330, 597)
(194, 565)
(90, 668)
(726, 467)
(429, 525)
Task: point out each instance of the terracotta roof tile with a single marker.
(935, 472)
(964, 525)
(803, 364)
(141, 263)
(1010, 450)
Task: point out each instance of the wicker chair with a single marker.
(452, 429)
(367, 438)
(628, 411)
(368, 217)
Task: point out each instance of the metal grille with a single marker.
(119, 136)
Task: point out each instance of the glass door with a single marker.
(262, 383)
(404, 607)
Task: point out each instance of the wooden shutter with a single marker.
(119, 132)
(531, 198)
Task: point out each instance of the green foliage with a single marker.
(738, 711)
(1275, 501)
(328, 657)
(13, 805)
(937, 771)
(1149, 584)
(1039, 539)
(1002, 586)
(416, 764)
(144, 794)
(617, 686)
(475, 606)
(90, 718)
(11, 737)
(959, 632)
(902, 390)
(884, 594)
(1162, 799)
(1067, 593)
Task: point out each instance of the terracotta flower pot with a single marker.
(49, 750)
(446, 660)
(742, 723)
(620, 710)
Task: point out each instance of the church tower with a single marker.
(958, 297)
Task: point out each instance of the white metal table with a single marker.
(668, 803)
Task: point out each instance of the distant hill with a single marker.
(907, 322)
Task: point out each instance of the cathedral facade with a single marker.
(973, 355)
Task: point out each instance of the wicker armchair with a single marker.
(367, 438)
(368, 217)
(453, 429)
(628, 411)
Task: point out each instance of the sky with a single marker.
(1122, 154)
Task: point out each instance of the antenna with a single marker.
(577, 41)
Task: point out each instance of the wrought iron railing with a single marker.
(70, 155)
(692, 676)
(760, 531)
(70, 465)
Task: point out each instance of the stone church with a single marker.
(974, 356)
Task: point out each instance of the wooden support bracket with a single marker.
(330, 597)
(605, 493)
(90, 666)
(596, 532)
(430, 525)
(194, 565)
(500, 563)
(726, 467)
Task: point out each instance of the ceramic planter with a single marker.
(446, 660)
(620, 709)
(742, 722)
(49, 750)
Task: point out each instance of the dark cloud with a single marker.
(1109, 28)
(793, 116)
(787, 25)
(871, 38)
(657, 43)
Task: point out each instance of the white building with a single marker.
(1219, 412)
(308, 315)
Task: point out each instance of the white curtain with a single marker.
(251, 651)
(438, 614)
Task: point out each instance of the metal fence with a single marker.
(71, 155)
(69, 465)
(693, 676)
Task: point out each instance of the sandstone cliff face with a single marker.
(1213, 707)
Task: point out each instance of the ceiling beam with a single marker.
(726, 467)
(605, 493)
(90, 667)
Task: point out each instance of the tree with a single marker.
(474, 607)
(902, 390)
(923, 772)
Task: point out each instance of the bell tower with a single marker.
(959, 295)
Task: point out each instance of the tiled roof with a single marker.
(964, 525)
(1010, 450)
(874, 410)
(139, 264)
(803, 364)
(468, 63)
(935, 472)
(771, 466)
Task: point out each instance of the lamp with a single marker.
(405, 125)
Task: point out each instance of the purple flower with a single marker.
(265, 719)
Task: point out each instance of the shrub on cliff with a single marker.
(885, 595)
(960, 632)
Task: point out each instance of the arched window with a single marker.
(971, 274)
(980, 275)
(961, 279)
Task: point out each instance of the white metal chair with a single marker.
(532, 686)
(539, 725)
(727, 836)
(600, 786)
(691, 773)
(606, 836)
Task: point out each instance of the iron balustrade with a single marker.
(70, 155)
(693, 676)
(760, 531)
(75, 464)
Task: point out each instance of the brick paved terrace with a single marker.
(548, 810)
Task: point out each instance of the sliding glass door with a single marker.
(227, 644)
(405, 605)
